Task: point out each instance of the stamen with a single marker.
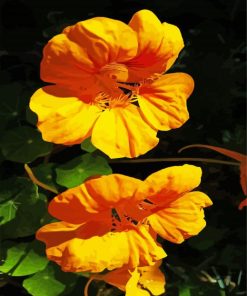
(105, 101)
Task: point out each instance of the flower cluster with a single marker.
(108, 84)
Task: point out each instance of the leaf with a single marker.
(23, 259)
(12, 102)
(23, 144)
(18, 199)
(76, 171)
(232, 256)
(46, 174)
(87, 146)
(184, 291)
(207, 238)
(50, 282)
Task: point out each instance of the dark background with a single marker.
(214, 55)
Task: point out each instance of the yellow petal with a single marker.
(132, 287)
(172, 43)
(104, 40)
(167, 185)
(62, 118)
(182, 218)
(158, 45)
(81, 252)
(93, 198)
(152, 278)
(137, 282)
(163, 102)
(121, 132)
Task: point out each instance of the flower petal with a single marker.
(132, 287)
(103, 40)
(163, 102)
(167, 185)
(133, 247)
(62, 118)
(158, 45)
(138, 281)
(93, 198)
(243, 204)
(182, 218)
(66, 63)
(121, 132)
(152, 278)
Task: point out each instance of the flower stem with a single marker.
(87, 285)
(171, 159)
(36, 181)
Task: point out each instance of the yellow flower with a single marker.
(111, 221)
(101, 69)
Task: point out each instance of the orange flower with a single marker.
(110, 221)
(97, 76)
(139, 282)
(235, 155)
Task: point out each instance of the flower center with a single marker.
(106, 101)
(115, 71)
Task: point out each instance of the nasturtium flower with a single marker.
(112, 221)
(107, 84)
(142, 281)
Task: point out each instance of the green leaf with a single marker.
(31, 117)
(23, 144)
(45, 173)
(22, 259)
(87, 146)
(76, 171)
(12, 102)
(207, 238)
(50, 282)
(18, 199)
(184, 291)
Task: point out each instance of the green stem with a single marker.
(171, 159)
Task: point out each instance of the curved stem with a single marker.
(171, 159)
(87, 285)
(233, 154)
(36, 181)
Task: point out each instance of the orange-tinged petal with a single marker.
(243, 204)
(182, 218)
(169, 184)
(62, 118)
(121, 132)
(104, 40)
(158, 45)
(112, 250)
(95, 196)
(163, 102)
(66, 63)
(118, 277)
